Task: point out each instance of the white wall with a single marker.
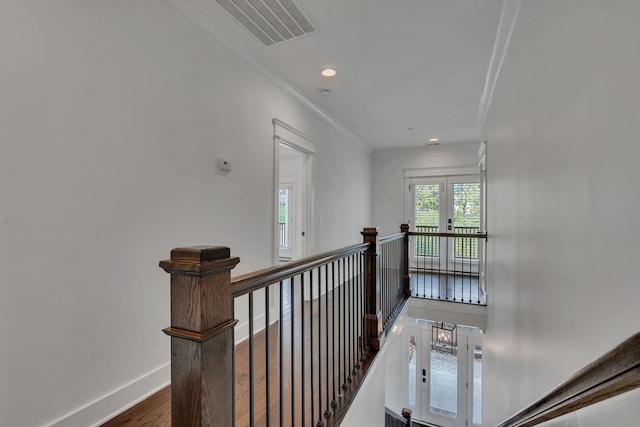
(388, 177)
(563, 199)
(622, 408)
(345, 200)
(367, 409)
(112, 116)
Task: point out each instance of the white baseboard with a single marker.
(242, 329)
(118, 401)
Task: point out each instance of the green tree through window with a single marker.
(466, 204)
(466, 218)
(427, 205)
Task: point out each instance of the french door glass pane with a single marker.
(427, 217)
(477, 385)
(444, 381)
(466, 218)
(412, 370)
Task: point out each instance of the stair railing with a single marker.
(310, 331)
(616, 372)
(447, 266)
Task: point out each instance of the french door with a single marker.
(445, 380)
(445, 204)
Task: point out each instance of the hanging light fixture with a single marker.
(444, 336)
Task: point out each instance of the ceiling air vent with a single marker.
(271, 21)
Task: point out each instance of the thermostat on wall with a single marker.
(224, 164)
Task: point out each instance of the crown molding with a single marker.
(208, 17)
(508, 18)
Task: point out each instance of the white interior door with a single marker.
(444, 383)
(294, 203)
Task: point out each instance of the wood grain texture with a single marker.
(156, 411)
(406, 276)
(204, 371)
(252, 282)
(373, 303)
(616, 372)
(202, 342)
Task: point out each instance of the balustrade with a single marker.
(308, 332)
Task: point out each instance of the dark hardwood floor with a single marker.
(447, 287)
(154, 411)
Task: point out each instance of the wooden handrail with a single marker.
(465, 235)
(403, 419)
(251, 282)
(618, 371)
(391, 238)
(202, 326)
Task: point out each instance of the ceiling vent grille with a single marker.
(271, 21)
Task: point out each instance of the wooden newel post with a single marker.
(202, 336)
(406, 414)
(373, 311)
(406, 276)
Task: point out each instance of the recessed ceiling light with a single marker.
(433, 140)
(328, 72)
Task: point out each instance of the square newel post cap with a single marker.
(199, 260)
(200, 253)
(370, 235)
(369, 231)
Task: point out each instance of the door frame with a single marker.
(446, 211)
(472, 341)
(466, 342)
(293, 138)
(461, 379)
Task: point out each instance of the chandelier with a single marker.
(444, 336)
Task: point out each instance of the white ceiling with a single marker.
(400, 64)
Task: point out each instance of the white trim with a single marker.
(275, 200)
(298, 139)
(429, 172)
(482, 154)
(305, 147)
(445, 311)
(431, 175)
(508, 18)
(242, 329)
(309, 223)
(108, 406)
